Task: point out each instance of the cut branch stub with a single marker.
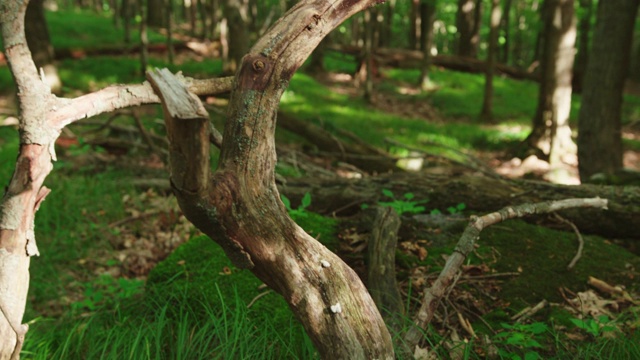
(188, 130)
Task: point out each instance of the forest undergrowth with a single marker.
(124, 275)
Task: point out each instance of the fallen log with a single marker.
(479, 193)
(403, 58)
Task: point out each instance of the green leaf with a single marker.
(285, 201)
(387, 193)
(306, 200)
(531, 355)
(461, 206)
(409, 196)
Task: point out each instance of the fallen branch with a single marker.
(529, 311)
(580, 241)
(465, 245)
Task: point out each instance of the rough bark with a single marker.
(239, 206)
(479, 193)
(486, 114)
(599, 123)
(381, 269)
(551, 134)
(25, 191)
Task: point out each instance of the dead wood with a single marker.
(479, 193)
(403, 58)
(381, 270)
(364, 156)
(445, 280)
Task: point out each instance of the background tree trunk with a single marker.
(155, 13)
(599, 124)
(39, 42)
(550, 133)
(494, 22)
(465, 22)
(505, 25)
(428, 15)
(237, 14)
(584, 32)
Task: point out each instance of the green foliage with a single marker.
(105, 291)
(406, 204)
(595, 327)
(299, 212)
(520, 341)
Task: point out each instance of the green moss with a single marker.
(542, 255)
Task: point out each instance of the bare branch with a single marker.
(465, 245)
(117, 97)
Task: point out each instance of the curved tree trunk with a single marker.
(239, 205)
(599, 123)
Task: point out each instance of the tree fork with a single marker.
(239, 205)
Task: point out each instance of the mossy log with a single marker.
(479, 193)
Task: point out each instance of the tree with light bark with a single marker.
(550, 134)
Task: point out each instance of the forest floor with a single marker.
(111, 219)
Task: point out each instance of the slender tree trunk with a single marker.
(494, 23)
(365, 74)
(584, 32)
(518, 57)
(237, 14)
(414, 29)
(428, 15)
(155, 13)
(144, 38)
(170, 49)
(126, 18)
(550, 132)
(193, 16)
(505, 24)
(467, 35)
(599, 123)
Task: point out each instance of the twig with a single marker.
(466, 244)
(580, 241)
(144, 132)
(529, 311)
(258, 297)
(134, 218)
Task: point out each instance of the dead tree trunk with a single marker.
(239, 206)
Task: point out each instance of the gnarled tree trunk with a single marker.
(239, 206)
